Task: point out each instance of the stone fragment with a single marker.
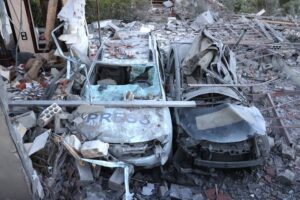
(94, 149)
(27, 146)
(286, 177)
(271, 142)
(73, 141)
(287, 152)
(148, 189)
(85, 172)
(7, 73)
(198, 196)
(28, 119)
(181, 192)
(163, 190)
(116, 180)
(54, 72)
(202, 20)
(21, 129)
(39, 142)
(168, 4)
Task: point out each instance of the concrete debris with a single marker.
(7, 73)
(39, 142)
(73, 141)
(286, 177)
(116, 180)
(163, 191)
(21, 129)
(271, 141)
(94, 149)
(148, 189)
(297, 162)
(287, 152)
(168, 4)
(181, 192)
(28, 119)
(85, 172)
(267, 55)
(27, 146)
(48, 115)
(198, 197)
(105, 24)
(203, 20)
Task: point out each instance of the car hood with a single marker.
(127, 125)
(223, 123)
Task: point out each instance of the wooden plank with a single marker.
(51, 17)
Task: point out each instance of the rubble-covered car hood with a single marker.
(223, 123)
(132, 125)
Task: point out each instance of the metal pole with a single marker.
(98, 15)
(116, 104)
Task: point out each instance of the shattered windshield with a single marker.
(123, 83)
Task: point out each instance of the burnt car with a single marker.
(128, 68)
(224, 130)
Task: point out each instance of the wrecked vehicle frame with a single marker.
(225, 131)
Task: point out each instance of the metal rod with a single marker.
(117, 104)
(285, 131)
(233, 85)
(240, 38)
(282, 127)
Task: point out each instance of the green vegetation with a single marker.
(116, 9)
(273, 7)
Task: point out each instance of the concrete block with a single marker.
(73, 141)
(48, 114)
(286, 177)
(94, 149)
(85, 172)
(116, 180)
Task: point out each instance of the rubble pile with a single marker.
(72, 165)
